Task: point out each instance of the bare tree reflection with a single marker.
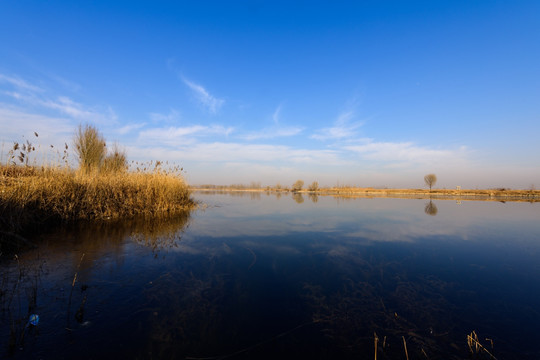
(298, 198)
(431, 208)
(255, 195)
(314, 197)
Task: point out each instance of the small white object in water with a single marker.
(33, 320)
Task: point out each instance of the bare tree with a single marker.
(297, 186)
(314, 186)
(430, 180)
(90, 147)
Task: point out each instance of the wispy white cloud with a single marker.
(223, 152)
(405, 153)
(19, 83)
(172, 116)
(274, 131)
(172, 132)
(343, 128)
(270, 133)
(65, 83)
(35, 96)
(181, 135)
(78, 111)
(211, 103)
(16, 123)
(15, 95)
(275, 115)
(129, 128)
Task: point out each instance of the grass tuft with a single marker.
(115, 161)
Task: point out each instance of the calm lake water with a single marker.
(262, 276)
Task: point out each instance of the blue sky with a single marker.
(367, 93)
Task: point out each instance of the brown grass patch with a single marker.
(34, 195)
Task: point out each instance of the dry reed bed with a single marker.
(441, 194)
(33, 195)
(465, 194)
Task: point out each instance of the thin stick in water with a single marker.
(375, 340)
(405, 347)
(71, 293)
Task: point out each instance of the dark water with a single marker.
(259, 276)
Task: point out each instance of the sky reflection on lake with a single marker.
(260, 276)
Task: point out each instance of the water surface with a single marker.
(265, 276)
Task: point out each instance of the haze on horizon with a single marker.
(371, 93)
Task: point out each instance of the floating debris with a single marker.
(33, 320)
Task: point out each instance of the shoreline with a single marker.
(439, 194)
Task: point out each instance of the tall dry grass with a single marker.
(30, 195)
(115, 161)
(101, 188)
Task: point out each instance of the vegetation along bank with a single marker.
(103, 186)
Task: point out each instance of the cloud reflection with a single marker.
(328, 223)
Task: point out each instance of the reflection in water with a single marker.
(252, 194)
(313, 197)
(431, 208)
(263, 279)
(298, 198)
(255, 195)
(76, 250)
(160, 232)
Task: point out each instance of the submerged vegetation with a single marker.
(102, 187)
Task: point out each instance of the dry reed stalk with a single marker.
(473, 342)
(375, 340)
(405, 347)
(77, 272)
(71, 292)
